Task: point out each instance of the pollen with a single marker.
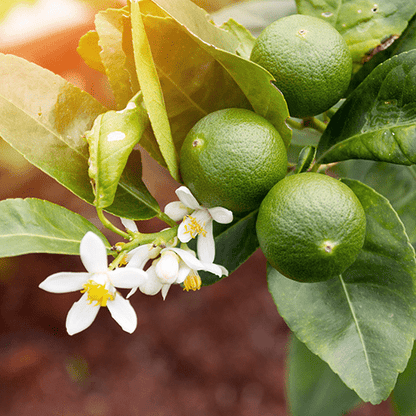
(192, 282)
(193, 227)
(97, 293)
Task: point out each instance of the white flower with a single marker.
(98, 286)
(176, 266)
(197, 221)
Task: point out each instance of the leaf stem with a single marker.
(110, 225)
(163, 217)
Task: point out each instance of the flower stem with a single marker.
(110, 225)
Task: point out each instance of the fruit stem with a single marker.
(311, 122)
(314, 123)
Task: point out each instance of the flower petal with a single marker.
(64, 282)
(123, 313)
(186, 197)
(152, 284)
(167, 267)
(93, 253)
(129, 224)
(183, 235)
(221, 215)
(184, 270)
(81, 315)
(165, 290)
(127, 278)
(206, 245)
(176, 210)
(188, 257)
(139, 256)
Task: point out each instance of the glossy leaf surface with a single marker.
(253, 80)
(45, 117)
(378, 120)
(36, 226)
(362, 323)
(111, 140)
(364, 24)
(152, 91)
(313, 388)
(233, 245)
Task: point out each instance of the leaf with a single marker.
(313, 389)
(253, 80)
(234, 244)
(378, 120)
(133, 189)
(36, 226)
(255, 15)
(363, 322)
(364, 24)
(111, 140)
(152, 91)
(391, 47)
(306, 157)
(246, 39)
(89, 50)
(404, 397)
(396, 183)
(109, 25)
(44, 118)
(192, 88)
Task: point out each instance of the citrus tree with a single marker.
(300, 142)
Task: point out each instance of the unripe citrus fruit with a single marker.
(309, 60)
(311, 227)
(231, 158)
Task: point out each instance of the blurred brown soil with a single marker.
(219, 351)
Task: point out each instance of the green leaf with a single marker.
(36, 226)
(363, 322)
(234, 244)
(110, 27)
(152, 91)
(313, 389)
(364, 24)
(44, 118)
(378, 120)
(396, 183)
(254, 81)
(246, 39)
(406, 42)
(144, 206)
(192, 88)
(306, 157)
(89, 50)
(404, 397)
(111, 140)
(255, 15)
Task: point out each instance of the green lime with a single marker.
(231, 158)
(309, 60)
(311, 227)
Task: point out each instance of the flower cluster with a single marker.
(169, 265)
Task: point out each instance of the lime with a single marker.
(309, 60)
(311, 227)
(231, 158)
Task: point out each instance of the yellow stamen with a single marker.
(192, 282)
(97, 293)
(193, 227)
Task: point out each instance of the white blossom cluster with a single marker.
(169, 265)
